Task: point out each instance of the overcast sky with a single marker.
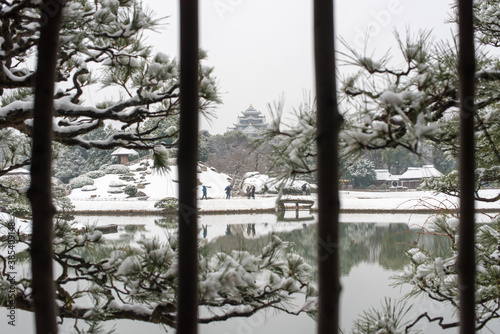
(262, 49)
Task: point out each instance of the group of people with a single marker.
(250, 191)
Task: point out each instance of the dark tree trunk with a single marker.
(40, 192)
(329, 121)
(187, 297)
(466, 265)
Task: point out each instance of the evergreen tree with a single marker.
(361, 173)
(102, 47)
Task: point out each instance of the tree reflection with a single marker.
(103, 278)
(384, 244)
(256, 265)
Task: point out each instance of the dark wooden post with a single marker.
(329, 121)
(187, 296)
(466, 265)
(40, 191)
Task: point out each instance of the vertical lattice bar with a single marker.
(329, 121)
(187, 297)
(466, 266)
(40, 192)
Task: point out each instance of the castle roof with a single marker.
(251, 117)
(250, 129)
(251, 108)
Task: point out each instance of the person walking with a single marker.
(228, 191)
(248, 193)
(204, 190)
(253, 192)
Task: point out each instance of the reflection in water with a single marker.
(374, 250)
(228, 231)
(251, 230)
(384, 245)
(375, 243)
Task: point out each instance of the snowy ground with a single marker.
(158, 186)
(349, 201)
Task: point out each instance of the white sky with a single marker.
(262, 49)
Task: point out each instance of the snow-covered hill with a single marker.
(155, 185)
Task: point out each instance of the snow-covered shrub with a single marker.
(291, 187)
(167, 203)
(250, 174)
(15, 181)
(384, 186)
(116, 169)
(59, 190)
(362, 173)
(115, 190)
(95, 174)
(20, 210)
(130, 190)
(116, 183)
(89, 188)
(80, 181)
(260, 181)
(64, 208)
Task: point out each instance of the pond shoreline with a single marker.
(418, 202)
(259, 211)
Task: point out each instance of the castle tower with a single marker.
(251, 123)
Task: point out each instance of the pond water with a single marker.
(372, 250)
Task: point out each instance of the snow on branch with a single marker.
(102, 45)
(140, 283)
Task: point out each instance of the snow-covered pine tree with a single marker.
(404, 99)
(102, 48)
(408, 102)
(407, 105)
(434, 273)
(102, 279)
(361, 172)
